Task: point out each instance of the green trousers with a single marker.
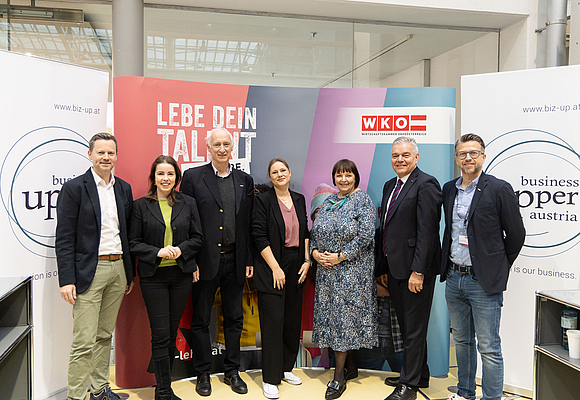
(94, 316)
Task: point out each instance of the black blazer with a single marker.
(147, 234)
(413, 229)
(268, 229)
(78, 230)
(201, 184)
(495, 231)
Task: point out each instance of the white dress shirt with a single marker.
(110, 242)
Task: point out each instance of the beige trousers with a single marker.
(94, 316)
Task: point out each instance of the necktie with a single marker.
(393, 199)
(390, 211)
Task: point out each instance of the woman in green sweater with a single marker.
(165, 235)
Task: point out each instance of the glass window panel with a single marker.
(86, 43)
(257, 50)
(385, 51)
(249, 49)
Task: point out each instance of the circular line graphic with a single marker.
(28, 145)
(503, 156)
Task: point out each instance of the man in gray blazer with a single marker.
(95, 268)
(483, 236)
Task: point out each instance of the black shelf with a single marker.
(16, 337)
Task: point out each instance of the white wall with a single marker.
(476, 57)
(499, 6)
(408, 78)
(519, 43)
(519, 47)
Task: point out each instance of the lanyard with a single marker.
(456, 211)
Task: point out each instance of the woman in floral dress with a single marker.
(342, 242)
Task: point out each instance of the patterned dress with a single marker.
(345, 304)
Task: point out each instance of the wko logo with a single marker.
(394, 123)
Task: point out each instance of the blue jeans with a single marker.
(473, 312)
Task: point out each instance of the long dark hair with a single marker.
(152, 194)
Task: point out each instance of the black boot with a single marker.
(173, 396)
(171, 360)
(163, 390)
(163, 379)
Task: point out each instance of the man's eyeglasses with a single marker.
(473, 154)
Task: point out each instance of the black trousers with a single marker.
(202, 301)
(165, 294)
(413, 311)
(280, 321)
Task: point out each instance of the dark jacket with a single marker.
(147, 234)
(78, 230)
(413, 229)
(268, 229)
(495, 231)
(201, 184)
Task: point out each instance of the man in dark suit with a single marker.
(94, 265)
(224, 197)
(483, 236)
(408, 259)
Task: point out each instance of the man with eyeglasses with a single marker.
(483, 236)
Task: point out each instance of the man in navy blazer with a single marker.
(224, 197)
(408, 252)
(95, 268)
(484, 234)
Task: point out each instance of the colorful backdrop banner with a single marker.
(49, 111)
(310, 128)
(528, 121)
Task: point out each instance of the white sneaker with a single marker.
(270, 391)
(292, 379)
(455, 396)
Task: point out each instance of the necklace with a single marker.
(286, 200)
(336, 204)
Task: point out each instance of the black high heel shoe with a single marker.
(334, 390)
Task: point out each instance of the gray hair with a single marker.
(406, 139)
(102, 136)
(208, 138)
